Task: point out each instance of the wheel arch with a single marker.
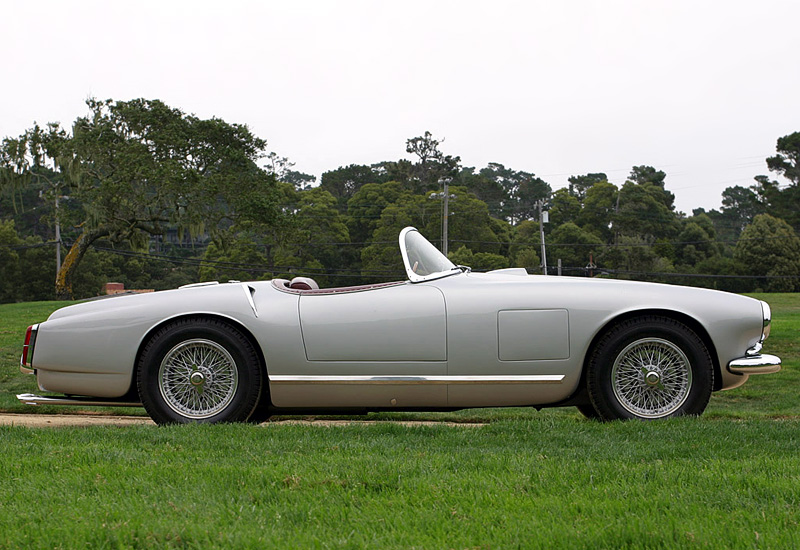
(687, 320)
(223, 318)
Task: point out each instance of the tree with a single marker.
(345, 181)
(470, 225)
(481, 261)
(235, 260)
(9, 261)
(365, 207)
(769, 247)
(525, 246)
(432, 164)
(783, 201)
(578, 185)
(138, 167)
(739, 206)
(787, 161)
(637, 254)
(646, 174)
(645, 208)
(564, 207)
(317, 243)
(523, 189)
(599, 206)
(697, 241)
(300, 181)
(487, 189)
(573, 246)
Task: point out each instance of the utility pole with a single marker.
(58, 236)
(445, 212)
(541, 233)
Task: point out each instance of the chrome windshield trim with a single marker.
(413, 277)
(405, 380)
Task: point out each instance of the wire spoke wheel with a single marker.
(651, 378)
(198, 378)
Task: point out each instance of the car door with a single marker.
(378, 347)
(508, 342)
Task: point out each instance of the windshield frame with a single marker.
(433, 251)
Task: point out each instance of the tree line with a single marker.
(142, 193)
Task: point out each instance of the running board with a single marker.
(31, 399)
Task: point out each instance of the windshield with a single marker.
(423, 261)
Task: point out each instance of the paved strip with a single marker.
(63, 420)
(81, 420)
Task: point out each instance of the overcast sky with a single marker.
(699, 89)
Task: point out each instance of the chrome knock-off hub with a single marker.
(197, 378)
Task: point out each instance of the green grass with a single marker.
(729, 479)
(539, 483)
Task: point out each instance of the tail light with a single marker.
(27, 347)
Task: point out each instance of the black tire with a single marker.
(263, 410)
(648, 368)
(199, 370)
(588, 411)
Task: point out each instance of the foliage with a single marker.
(138, 167)
(432, 166)
(769, 246)
(345, 181)
(578, 185)
(146, 193)
(573, 246)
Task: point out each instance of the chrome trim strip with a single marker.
(248, 291)
(406, 380)
(767, 316)
(755, 364)
(32, 399)
(755, 350)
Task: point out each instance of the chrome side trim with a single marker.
(755, 364)
(249, 291)
(405, 380)
(197, 285)
(31, 399)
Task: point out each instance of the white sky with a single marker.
(699, 89)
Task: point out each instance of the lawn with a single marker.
(527, 479)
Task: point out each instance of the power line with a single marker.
(251, 268)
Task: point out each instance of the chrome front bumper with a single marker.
(755, 363)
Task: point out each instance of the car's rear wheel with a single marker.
(199, 370)
(649, 368)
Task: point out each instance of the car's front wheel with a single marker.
(648, 368)
(199, 370)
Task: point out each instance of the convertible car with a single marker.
(444, 339)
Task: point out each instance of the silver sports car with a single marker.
(444, 339)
